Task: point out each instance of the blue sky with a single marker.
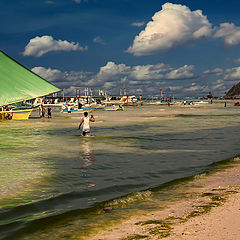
(186, 48)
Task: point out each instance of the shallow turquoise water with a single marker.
(52, 177)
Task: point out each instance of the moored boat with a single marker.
(200, 103)
(123, 100)
(114, 108)
(16, 114)
(19, 84)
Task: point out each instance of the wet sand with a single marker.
(212, 214)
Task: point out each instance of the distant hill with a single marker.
(234, 92)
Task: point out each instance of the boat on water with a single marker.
(160, 103)
(237, 104)
(114, 108)
(15, 114)
(163, 101)
(19, 84)
(199, 103)
(77, 110)
(81, 103)
(121, 100)
(71, 110)
(194, 103)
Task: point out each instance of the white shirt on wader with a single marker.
(86, 126)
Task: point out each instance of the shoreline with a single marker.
(211, 214)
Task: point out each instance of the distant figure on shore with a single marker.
(41, 111)
(69, 109)
(79, 105)
(85, 121)
(49, 112)
(225, 104)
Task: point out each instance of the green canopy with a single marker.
(18, 83)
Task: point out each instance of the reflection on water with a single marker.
(86, 154)
(49, 170)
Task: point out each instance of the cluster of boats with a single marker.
(88, 103)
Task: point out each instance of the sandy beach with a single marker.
(212, 214)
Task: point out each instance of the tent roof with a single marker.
(17, 83)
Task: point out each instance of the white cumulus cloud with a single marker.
(232, 74)
(141, 74)
(137, 24)
(48, 73)
(184, 72)
(99, 40)
(176, 26)
(111, 71)
(148, 78)
(237, 61)
(173, 26)
(230, 34)
(113, 76)
(217, 71)
(149, 72)
(65, 79)
(197, 88)
(39, 46)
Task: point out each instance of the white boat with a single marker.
(199, 103)
(122, 100)
(114, 108)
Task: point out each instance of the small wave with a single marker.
(199, 176)
(223, 163)
(129, 199)
(54, 205)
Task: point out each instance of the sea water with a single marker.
(56, 184)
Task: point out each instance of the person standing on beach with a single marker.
(49, 112)
(85, 121)
(41, 111)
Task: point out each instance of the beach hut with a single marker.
(18, 84)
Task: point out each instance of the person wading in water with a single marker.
(85, 122)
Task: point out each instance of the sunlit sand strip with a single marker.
(213, 213)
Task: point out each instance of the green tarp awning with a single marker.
(18, 83)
